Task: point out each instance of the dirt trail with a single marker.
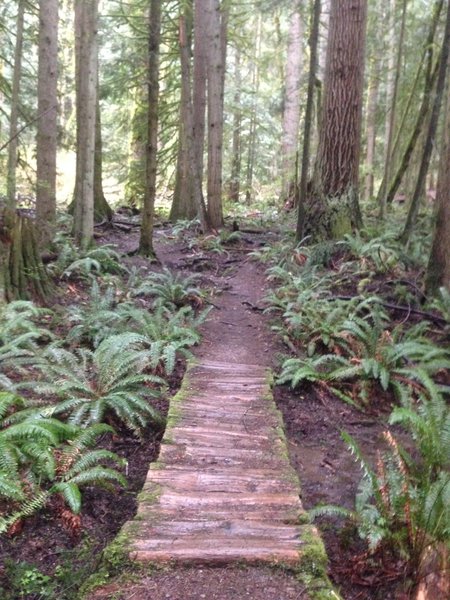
(235, 331)
(223, 491)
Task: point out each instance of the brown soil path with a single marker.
(223, 490)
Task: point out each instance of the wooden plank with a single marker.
(223, 489)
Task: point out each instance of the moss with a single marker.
(312, 569)
(270, 378)
(114, 560)
(304, 518)
(150, 494)
(176, 402)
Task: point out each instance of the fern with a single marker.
(88, 473)
(40, 457)
(165, 334)
(184, 226)
(429, 424)
(170, 289)
(369, 355)
(10, 486)
(399, 504)
(99, 260)
(20, 335)
(101, 317)
(94, 385)
(383, 252)
(23, 317)
(26, 509)
(9, 401)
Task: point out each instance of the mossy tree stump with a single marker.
(22, 272)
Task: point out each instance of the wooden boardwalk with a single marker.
(223, 490)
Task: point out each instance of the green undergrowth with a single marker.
(72, 377)
(357, 326)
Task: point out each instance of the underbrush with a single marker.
(76, 384)
(357, 326)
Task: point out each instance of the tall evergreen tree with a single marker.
(154, 40)
(86, 59)
(47, 131)
(332, 208)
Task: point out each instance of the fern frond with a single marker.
(96, 476)
(10, 487)
(71, 494)
(27, 509)
(330, 510)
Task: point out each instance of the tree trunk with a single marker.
(235, 178)
(22, 273)
(216, 79)
(200, 74)
(430, 78)
(146, 239)
(320, 75)
(333, 208)
(438, 271)
(428, 147)
(252, 136)
(183, 204)
(86, 59)
(15, 98)
(371, 123)
(313, 45)
(291, 114)
(47, 131)
(392, 100)
(194, 174)
(135, 185)
(323, 38)
(102, 210)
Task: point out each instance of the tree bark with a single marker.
(86, 61)
(102, 210)
(192, 161)
(22, 273)
(291, 114)
(47, 132)
(146, 239)
(438, 271)
(430, 78)
(313, 44)
(371, 123)
(333, 208)
(428, 147)
(200, 74)
(395, 65)
(252, 134)
(183, 204)
(216, 79)
(235, 177)
(14, 117)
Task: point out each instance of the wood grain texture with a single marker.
(223, 490)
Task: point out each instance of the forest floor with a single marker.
(327, 471)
